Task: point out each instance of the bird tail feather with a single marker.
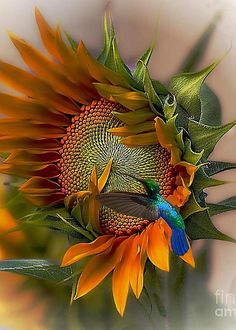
(179, 242)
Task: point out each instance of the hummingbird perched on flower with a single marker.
(150, 206)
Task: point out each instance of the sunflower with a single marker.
(85, 126)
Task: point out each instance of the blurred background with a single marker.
(180, 23)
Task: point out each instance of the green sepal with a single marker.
(194, 57)
(200, 226)
(42, 269)
(210, 107)
(170, 105)
(202, 181)
(205, 137)
(214, 167)
(189, 155)
(228, 204)
(186, 88)
(73, 43)
(141, 65)
(191, 207)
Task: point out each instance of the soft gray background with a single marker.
(181, 22)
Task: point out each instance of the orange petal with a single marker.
(47, 70)
(47, 171)
(32, 157)
(12, 143)
(79, 251)
(157, 248)
(105, 175)
(100, 266)
(122, 273)
(98, 71)
(39, 185)
(22, 108)
(34, 87)
(47, 35)
(11, 127)
(136, 276)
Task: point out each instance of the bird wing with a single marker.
(132, 204)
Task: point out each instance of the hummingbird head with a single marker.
(151, 186)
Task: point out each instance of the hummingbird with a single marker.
(150, 206)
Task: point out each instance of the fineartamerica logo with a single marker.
(227, 304)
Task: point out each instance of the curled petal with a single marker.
(43, 200)
(47, 171)
(39, 185)
(29, 157)
(82, 250)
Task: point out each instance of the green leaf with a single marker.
(191, 207)
(170, 105)
(190, 155)
(142, 63)
(198, 50)
(186, 88)
(42, 269)
(205, 137)
(180, 139)
(223, 206)
(210, 107)
(73, 43)
(214, 167)
(200, 226)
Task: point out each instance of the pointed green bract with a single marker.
(228, 204)
(202, 181)
(186, 88)
(110, 55)
(140, 67)
(210, 107)
(200, 226)
(190, 155)
(191, 207)
(205, 137)
(214, 167)
(170, 105)
(73, 43)
(198, 50)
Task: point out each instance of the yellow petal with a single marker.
(133, 129)
(108, 91)
(81, 250)
(133, 118)
(105, 175)
(140, 140)
(132, 100)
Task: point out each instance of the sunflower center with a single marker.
(88, 143)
